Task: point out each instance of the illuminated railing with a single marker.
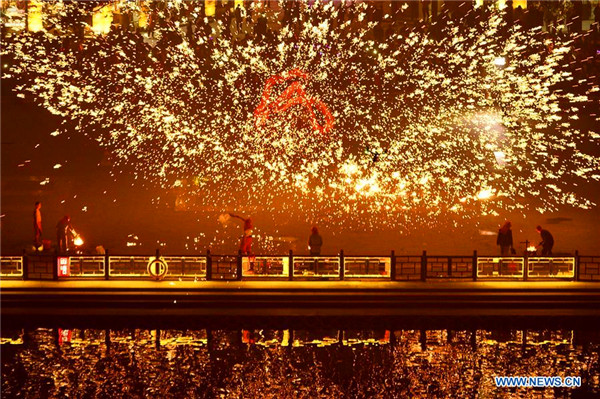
(86, 266)
(11, 266)
(186, 266)
(500, 267)
(551, 267)
(128, 266)
(425, 267)
(265, 266)
(316, 266)
(143, 266)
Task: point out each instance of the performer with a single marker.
(246, 242)
(37, 225)
(547, 241)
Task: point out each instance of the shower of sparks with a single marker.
(474, 122)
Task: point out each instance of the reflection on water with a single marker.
(292, 363)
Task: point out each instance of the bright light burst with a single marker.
(424, 127)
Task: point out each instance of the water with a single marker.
(308, 362)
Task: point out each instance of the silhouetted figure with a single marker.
(505, 239)
(37, 225)
(547, 241)
(64, 234)
(425, 8)
(237, 14)
(246, 241)
(315, 242)
(260, 30)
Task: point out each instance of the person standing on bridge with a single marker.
(315, 242)
(64, 234)
(37, 225)
(246, 241)
(505, 239)
(547, 241)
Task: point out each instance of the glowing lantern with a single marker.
(531, 248)
(78, 241)
(34, 16)
(102, 20)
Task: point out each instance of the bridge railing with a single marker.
(11, 266)
(588, 268)
(490, 267)
(293, 267)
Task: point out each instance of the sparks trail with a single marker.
(425, 125)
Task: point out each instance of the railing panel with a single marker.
(224, 267)
(367, 267)
(86, 266)
(186, 266)
(11, 266)
(555, 267)
(449, 266)
(177, 266)
(128, 266)
(437, 266)
(408, 267)
(589, 268)
(41, 267)
(500, 267)
(316, 266)
(265, 266)
(462, 266)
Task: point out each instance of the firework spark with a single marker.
(473, 123)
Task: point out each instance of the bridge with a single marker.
(46, 286)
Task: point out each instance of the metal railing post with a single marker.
(424, 266)
(239, 266)
(393, 266)
(208, 265)
(474, 267)
(55, 266)
(449, 266)
(25, 266)
(157, 255)
(106, 265)
(576, 266)
(342, 267)
(291, 265)
(525, 267)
